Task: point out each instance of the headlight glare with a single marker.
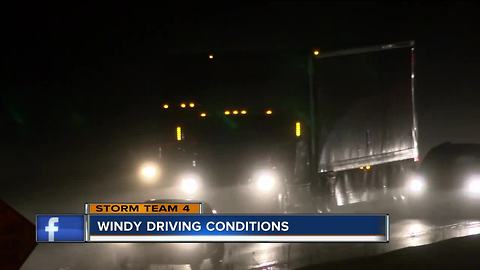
(190, 184)
(265, 181)
(149, 172)
(416, 184)
(473, 185)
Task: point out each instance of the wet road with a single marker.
(403, 233)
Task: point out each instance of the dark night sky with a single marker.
(83, 85)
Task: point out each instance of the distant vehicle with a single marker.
(246, 155)
(142, 255)
(451, 176)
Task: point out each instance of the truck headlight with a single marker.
(416, 184)
(265, 180)
(473, 185)
(190, 184)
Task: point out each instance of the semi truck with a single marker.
(362, 152)
(239, 162)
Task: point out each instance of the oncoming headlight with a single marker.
(149, 172)
(190, 184)
(473, 185)
(265, 180)
(416, 184)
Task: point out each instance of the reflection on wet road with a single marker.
(403, 233)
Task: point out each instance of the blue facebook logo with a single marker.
(60, 228)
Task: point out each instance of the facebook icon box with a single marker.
(60, 228)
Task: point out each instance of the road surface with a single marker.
(403, 233)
